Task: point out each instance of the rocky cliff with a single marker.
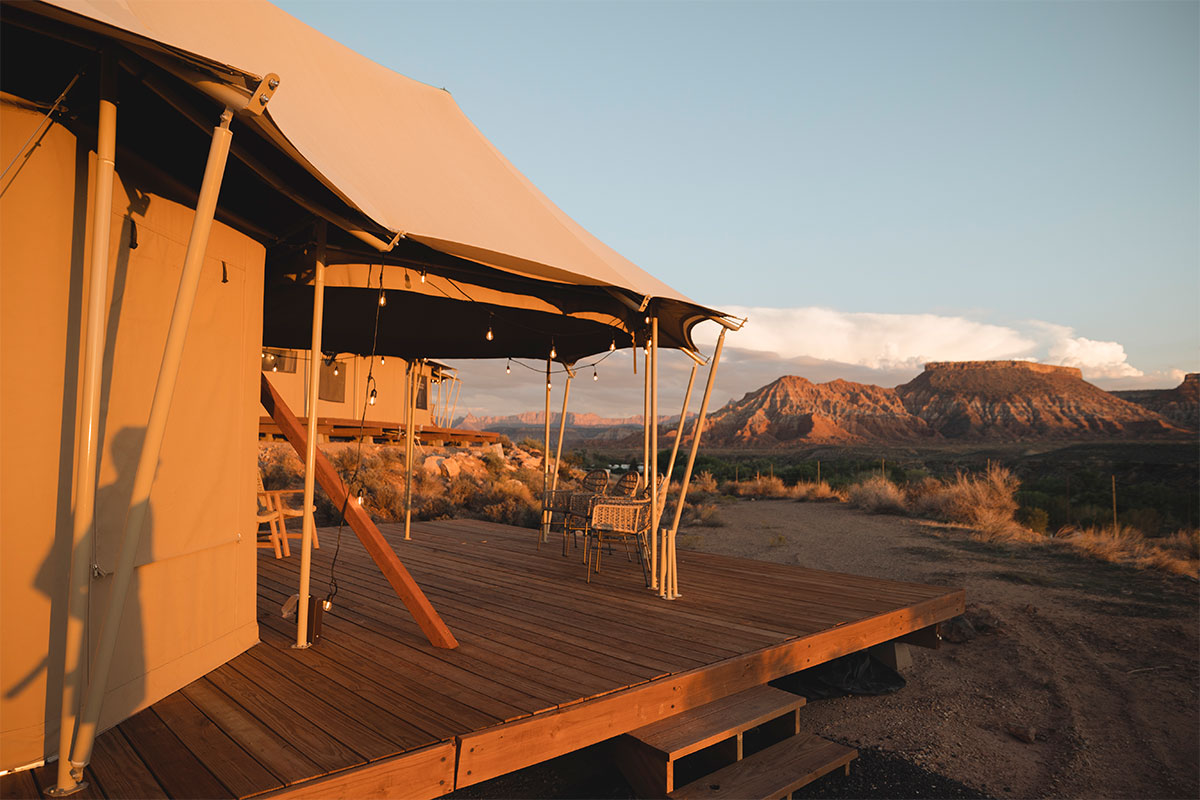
(972, 400)
(1180, 405)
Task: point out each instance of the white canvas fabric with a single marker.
(401, 152)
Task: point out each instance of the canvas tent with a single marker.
(91, 256)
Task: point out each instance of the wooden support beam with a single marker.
(381, 552)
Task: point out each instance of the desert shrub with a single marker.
(877, 495)
(699, 515)
(1178, 554)
(760, 486)
(532, 445)
(986, 502)
(815, 492)
(703, 483)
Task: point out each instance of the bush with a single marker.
(985, 502)
(878, 495)
(1178, 554)
(761, 486)
(815, 492)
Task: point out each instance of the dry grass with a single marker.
(1178, 554)
(807, 491)
(765, 487)
(878, 495)
(984, 502)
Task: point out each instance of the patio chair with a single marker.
(624, 519)
(558, 503)
(579, 505)
(275, 511)
(627, 486)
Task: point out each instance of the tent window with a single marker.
(278, 360)
(423, 393)
(332, 387)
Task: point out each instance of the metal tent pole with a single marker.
(310, 454)
(654, 582)
(546, 462)
(143, 480)
(687, 397)
(687, 472)
(86, 453)
(410, 411)
(562, 426)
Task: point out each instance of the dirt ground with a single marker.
(1100, 661)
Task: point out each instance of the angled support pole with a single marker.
(310, 455)
(381, 553)
(673, 581)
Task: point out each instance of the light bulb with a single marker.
(553, 352)
(264, 354)
(335, 369)
(422, 276)
(382, 298)
(327, 604)
(383, 359)
(548, 386)
(595, 376)
(488, 335)
(371, 401)
(612, 346)
(647, 320)
(274, 368)
(360, 497)
(508, 369)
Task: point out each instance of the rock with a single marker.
(451, 467)
(982, 619)
(432, 465)
(957, 630)
(496, 450)
(1024, 733)
(1029, 608)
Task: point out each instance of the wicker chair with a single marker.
(625, 519)
(627, 486)
(578, 510)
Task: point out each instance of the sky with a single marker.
(874, 185)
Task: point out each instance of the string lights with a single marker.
(553, 352)
(382, 297)
(371, 399)
(422, 276)
(508, 367)
(595, 375)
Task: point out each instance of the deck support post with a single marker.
(673, 590)
(160, 406)
(86, 455)
(646, 452)
(310, 454)
(652, 427)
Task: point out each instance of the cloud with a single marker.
(894, 342)
(819, 344)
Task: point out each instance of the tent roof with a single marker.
(400, 152)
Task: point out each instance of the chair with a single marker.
(627, 486)
(275, 511)
(625, 519)
(579, 505)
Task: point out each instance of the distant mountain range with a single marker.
(949, 401)
(965, 400)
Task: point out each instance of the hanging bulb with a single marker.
(548, 385)
(335, 370)
(422, 276)
(360, 497)
(383, 359)
(327, 604)
(553, 352)
(508, 368)
(488, 335)
(612, 346)
(274, 368)
(595, 376)
(382, 297)
(647, 320)
(264, 354)
(371, 401)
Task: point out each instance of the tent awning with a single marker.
(399, 152)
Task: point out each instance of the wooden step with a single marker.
(647, 755)
(774, 772)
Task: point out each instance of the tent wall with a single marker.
(192, 601)
(389, 383)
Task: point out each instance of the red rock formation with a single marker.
(1180, 405)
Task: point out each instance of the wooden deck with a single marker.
(547, 664)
